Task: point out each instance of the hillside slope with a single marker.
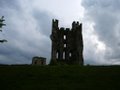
(59, 78)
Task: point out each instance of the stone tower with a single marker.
(67, 44)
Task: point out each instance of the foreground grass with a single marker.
(59, 78)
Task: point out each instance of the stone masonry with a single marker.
(38, 61)
(67, 44)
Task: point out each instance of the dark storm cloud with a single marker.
(27, 33)
(43, 17)
(10, 4)
(106, 16)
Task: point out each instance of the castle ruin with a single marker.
(67, 44)
(38, 60)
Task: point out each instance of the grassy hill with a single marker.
(59, 78)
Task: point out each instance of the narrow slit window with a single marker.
(64, 37)
(57, 55)
(64, 45)
(70, 54)
(63, 55)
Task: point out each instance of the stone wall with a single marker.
(38, 61)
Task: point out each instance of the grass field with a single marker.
(59, 78)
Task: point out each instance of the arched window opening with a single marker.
(70, 54)
(57, 55)
(63, 55)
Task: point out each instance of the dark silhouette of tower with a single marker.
(67, 44)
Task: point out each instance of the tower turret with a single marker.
(67, 44)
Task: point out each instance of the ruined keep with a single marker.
(67, 44)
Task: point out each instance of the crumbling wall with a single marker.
(38, 61)
(67, 44)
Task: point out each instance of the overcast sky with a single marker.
(29, 27)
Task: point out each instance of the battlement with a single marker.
(75, 25)
(55, 23)
(55, 20)
(62, 28)
(67, 29)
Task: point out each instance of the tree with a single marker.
(1, 25)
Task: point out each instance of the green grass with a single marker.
(59, 78)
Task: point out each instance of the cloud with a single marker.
(9, 4)
(40, 17)
(105, 15)
(27, 32)
(29, 27)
